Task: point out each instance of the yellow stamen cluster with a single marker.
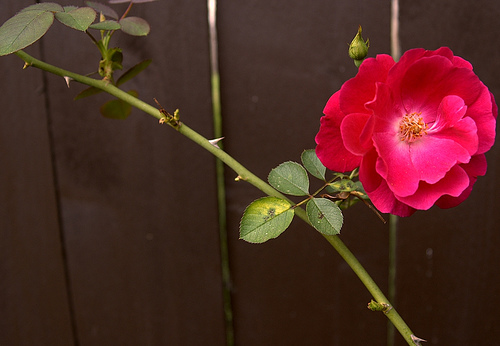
(412, 126)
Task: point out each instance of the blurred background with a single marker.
(109, 231)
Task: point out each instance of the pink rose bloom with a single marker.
(417, 129)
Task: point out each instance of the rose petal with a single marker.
(381, 196)
(484, 111)
(361, 89)
(395, 163)
(330, 149)
(459, 62)
(437, 166)
(367, 173)
(451, 109)
(453, 184)
(355, 135)
(431, 79)
(476, 167)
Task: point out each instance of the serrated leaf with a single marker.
(265, 218)
(313, 164)
(79, 18)
(101, 8)
(132, 72)
(325, 216)
(106, 25)
(134, 26)
(87, 92)
(290, 178)
(117, 109)
(24, 29)
(43, 7)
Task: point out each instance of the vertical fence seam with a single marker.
(57, 197)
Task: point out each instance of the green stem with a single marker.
(219, 170)
(391, 291)
(243, 173)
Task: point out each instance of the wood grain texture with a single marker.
(142, 243)
(33, 293)
(279, 65)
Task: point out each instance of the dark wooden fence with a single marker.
(108, 229)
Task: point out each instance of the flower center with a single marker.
(411, 127)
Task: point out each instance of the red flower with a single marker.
(417, 129)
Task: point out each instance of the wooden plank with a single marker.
(33, 296)
(138, 200)
(448, 274)
(280, 62)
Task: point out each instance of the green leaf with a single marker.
(101, 8)
(26, 27)
(79, 18)
(116, 57)
(134, 26)
(44, 7)
(132, 72)
(117, 109)
(106, 25)
(313, 164)
(69, 8)
(87, 92)
(290, 178)
(342, 185)
(324, 215)
(265, 218)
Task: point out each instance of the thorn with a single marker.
(417, 340)
(67, 79)
(26, 65)
(215, 141)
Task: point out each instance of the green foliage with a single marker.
(76, 18)
(117, 109)
(325, 216)
(106, 25)
(134, 26)
(313, 164)
(342, 185)
(31, 23)
(323, 207)
(265, 218)
(27, 27)
(111, 60)
(87, 92)
(290, 178)
(133, 71)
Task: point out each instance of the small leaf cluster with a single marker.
(31, 23)
(268, 217)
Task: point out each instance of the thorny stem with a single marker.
(243, 174)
